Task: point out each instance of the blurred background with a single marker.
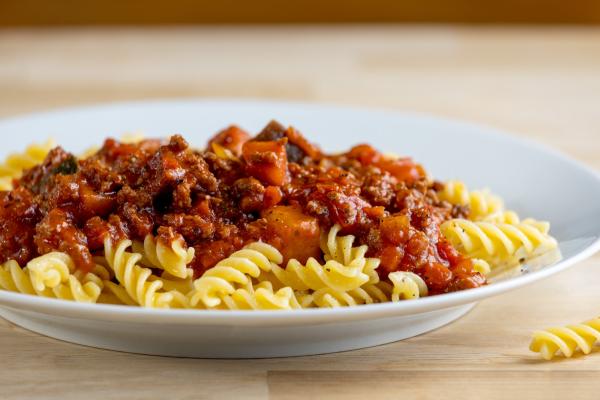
(531, 67)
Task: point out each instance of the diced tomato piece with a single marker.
(436, 275)
(232, 138)
(448, 252)
(299, 232)
(375, 212)
(403, 169)
(395, 229)
(272, 196)
(391, 257)
(365, 154)
(266, 161)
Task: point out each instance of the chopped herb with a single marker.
(67, 167)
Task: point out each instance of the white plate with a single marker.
(534, 180)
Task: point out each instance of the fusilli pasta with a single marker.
(314, 275)
(498, 243)
(233, 272)
(567, 340)
(340, 249)
(367, 294)
(481, 266)
(14, 165)
(173, 259)
(261, 297)
(49, 276)
(134, 279)
(407, 286)
(481, 203)
(223, 152)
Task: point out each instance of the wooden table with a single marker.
(540, 83)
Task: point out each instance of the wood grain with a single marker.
(543, 84)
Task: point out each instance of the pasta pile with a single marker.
(493, 236)
(152, 274)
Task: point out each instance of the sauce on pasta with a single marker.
(275, 187)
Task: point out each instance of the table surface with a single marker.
(542, 83)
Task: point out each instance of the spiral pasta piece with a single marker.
(481, 203)
(223, 152)
(15, 279)
(504, 217)
(15, 164)
(173, 258)
(261, 297)
(481, 266)
(134, 279)
(567, 340)
(185, 285)
(407, 286)
(342, 250)
(6, 183)
(49, 276)
(367, 294)
(314, 275)
(87, 292)
(50, 270)
(499, 242)
(237, 270)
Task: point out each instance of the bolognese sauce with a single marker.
(276, 187)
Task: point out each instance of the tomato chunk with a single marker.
(403, 169)
(395, 229)
(299, 232)
(232, 138)
(365, 154)
(266, 161)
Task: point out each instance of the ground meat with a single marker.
(378, 189)
(19, 215)
(40, 178)
(58, 232)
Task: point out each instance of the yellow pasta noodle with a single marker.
(567, 340)
(15, 164)
(50, 270)
(223, 152)
(314, 276)
(407, 286)
(182, 285)
(117, 293)
(88, 292)
(499, 243)
(481, 266)
(173, 259)
(134, 278)
(261, 297)
(235, 271)
(504, 217)
(481, 203)
(367, 294)
(341, 249)
(49, 276)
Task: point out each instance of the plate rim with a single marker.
(118, 313)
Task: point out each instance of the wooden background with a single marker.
(540, 83)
